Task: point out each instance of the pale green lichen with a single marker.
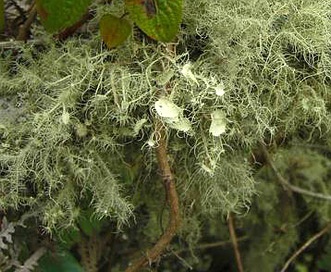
(265, 67)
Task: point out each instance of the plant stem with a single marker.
(174, 220)
(235, 243)
(169, 183)
(305, 245)
(286, 185)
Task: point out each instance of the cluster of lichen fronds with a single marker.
(245, 72)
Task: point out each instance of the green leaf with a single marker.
(2, 16)
(57, 15)
(114, 31)
(159, 19)
(62, 261)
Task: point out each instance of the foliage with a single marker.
(57, 15)
(159, 19)
(114, 31)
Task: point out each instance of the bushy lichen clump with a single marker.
(255, 70)
(273, 57)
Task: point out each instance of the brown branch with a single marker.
(174, 221)
(220, 243)
(24, 28)
(211, 245)
(170, 187)
(234, 241)
(305, 245)
(286, 185)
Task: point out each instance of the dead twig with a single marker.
(305, 245)
(286, 185)
(234, 241)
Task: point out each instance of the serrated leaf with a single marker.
(57, 15)
(159, 19)
(114, 31)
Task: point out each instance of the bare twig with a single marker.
(24, 29)
(309, 193)
(286, 185)
(182, 260)
(235, 243)
(313, 146)
(174, 220)
(212, 245)
(305, 245)
(169, 183)
(220, 243)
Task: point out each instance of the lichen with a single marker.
(85, 112)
